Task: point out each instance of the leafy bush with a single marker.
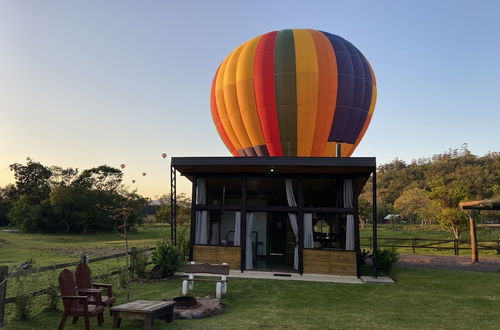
(24, 300)
(183, 242)
(140, 262)
(386, 259)
(167, 257)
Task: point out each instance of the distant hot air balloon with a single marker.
(164, 155)
(122, 166)
(143, 173)
(293, 93)
(133, 181)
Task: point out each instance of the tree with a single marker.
(183, 209)
(32, 180)
(453, 220)
(414, 204)
(364, 211)
(104, 178)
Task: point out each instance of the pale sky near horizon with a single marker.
(85, 83)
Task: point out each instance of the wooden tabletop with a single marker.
(143, 306)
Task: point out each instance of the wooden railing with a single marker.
(415, 243)
(5, 276)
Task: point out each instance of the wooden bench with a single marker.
(220, 283)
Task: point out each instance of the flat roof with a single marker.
(187, 166)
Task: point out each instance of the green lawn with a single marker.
(46, 249)
(420, 299)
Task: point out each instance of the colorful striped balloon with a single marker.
(293, 93)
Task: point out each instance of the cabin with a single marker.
(278, 214)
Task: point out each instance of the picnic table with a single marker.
(146, 310)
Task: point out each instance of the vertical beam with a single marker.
(473, 237)
(357, 243)
(3, 292)
(192, 230)
(339, 149)
(173, 205)
(243, 224)
(300, 219)
(374, 217)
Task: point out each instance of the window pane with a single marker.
(219, 191)
(323, 192)
(268, 192)
(329, 230)
(223, 228)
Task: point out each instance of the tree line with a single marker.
(53, 199)
(430, 189)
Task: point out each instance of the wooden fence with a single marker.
(426, 243)
(5, 276)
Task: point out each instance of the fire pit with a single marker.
(186, 302)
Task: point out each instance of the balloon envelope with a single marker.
(293, 93)
(143, 173)
(164, 155)
(122, 166)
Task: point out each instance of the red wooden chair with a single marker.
(83, 281)
(77, 302)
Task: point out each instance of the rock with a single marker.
(156, 273)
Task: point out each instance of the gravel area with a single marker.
(485, 264)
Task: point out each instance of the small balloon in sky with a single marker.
(164, 155)
(133, 181)
(143, 173)
(122, 166)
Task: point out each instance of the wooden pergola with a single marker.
(474, 207)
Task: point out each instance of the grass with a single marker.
(47, 249)
(420, 299)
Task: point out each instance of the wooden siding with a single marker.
(217, 255)
(330, 262)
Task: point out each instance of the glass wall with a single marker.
(323, 192)
(262, 192)
(221, 191)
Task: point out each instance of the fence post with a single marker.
(133, 256)
(4, 270)
(414, 243)
(455, 246)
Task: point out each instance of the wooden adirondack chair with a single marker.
(77, 302)
(83, 281)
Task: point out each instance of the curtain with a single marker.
(308, 231)
(348, 203)
(293, 220)
(215, 239)
(201, 225)
(237, 226)
(248, 245)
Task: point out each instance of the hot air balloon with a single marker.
(293, 93)
(122, 166)
(133, 181)
(164, 155)
(143, 173)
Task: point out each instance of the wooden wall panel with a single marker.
(330, 262)
(217, 255)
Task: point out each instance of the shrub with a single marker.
(24, 300)
(167, 257)
(183, 242)
(386, 259)
(140, 262)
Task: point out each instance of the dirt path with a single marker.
(486, 264)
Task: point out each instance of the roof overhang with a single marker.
(192, 166)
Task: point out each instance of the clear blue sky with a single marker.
(84, 83)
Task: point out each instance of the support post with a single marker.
(374, 220)
(192, 231)
(339, 149)
(4, 270)
(473, 237)
(300, 225)
(243, 223)
(133, 259)
(173, 205)
(357, 243)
